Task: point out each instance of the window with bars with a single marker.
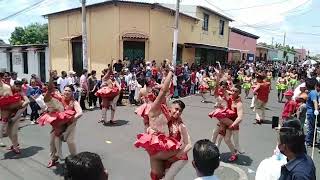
(25, 62)
(221, 27)
(205, 25)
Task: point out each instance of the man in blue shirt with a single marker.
(312, 108)
(291, 143)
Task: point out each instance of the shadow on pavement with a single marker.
(243, 160)
(118, 123)
(60, 169)
(26, 125)
(267, 122)
(25, 153)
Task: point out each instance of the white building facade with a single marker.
(26, 60)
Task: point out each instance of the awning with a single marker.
(134, 35)
(68, 38)
(237, 50)
(205, 46)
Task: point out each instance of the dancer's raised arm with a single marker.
(155, 107)
(51, 89)
(109, 71)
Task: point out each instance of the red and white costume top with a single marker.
(106, 92)
(144, 109)
(155, 140)
(9, 97)
(229, 112)
(60, 112)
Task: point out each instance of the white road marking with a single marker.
(242, 174)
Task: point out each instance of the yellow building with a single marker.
(133, 30)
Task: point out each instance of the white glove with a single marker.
(316, 112)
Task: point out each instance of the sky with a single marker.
(269, 19)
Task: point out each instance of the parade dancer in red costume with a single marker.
(261, 90)
(221, 92)
(166, 151)
(62, 113)
(13, 103)
(230, 118)
(204, 87)
(10, 128)
(109, 92)
(147, 96)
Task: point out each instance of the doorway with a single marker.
(77, 61)
(42, 66)
(134, 50)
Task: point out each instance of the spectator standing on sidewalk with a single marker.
(133, 83)
(92, 82)
(14, 77)
(118, 66)
(84, 89)
(291, 143)
(313, 87)
(63, 81)
(33, 93)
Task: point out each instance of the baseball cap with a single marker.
(289, 93)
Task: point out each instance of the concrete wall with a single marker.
(4, 59)
(17, 62)
(107, 24)
(238, 41)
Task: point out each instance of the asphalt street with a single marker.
(123, 161)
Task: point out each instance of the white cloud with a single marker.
(6, 27)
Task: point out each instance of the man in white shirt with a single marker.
(72, 78)
(298, 90)
(63, 81)
(206, 159)
(14, 77)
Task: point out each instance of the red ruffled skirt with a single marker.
(154, 143)
(106, 92)
(56, 119)
(223, 113)
(168, 164)
(203, 88)
(8, 100)
(143, 111)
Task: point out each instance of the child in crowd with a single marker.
(132, 85)
(289, 108)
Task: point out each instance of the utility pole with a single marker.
(284, 39)
(84, 35)
(175, 35)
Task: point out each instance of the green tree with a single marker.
(32, 34)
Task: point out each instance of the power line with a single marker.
(288, 11)
(23, 10)
(255, 6)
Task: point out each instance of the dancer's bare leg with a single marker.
(227, 139)
(203, 98)
(235, 135)
(157, 167)
(113, 107)
(103, 115)
(70, 136)
(174, 169)
(13, 132)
